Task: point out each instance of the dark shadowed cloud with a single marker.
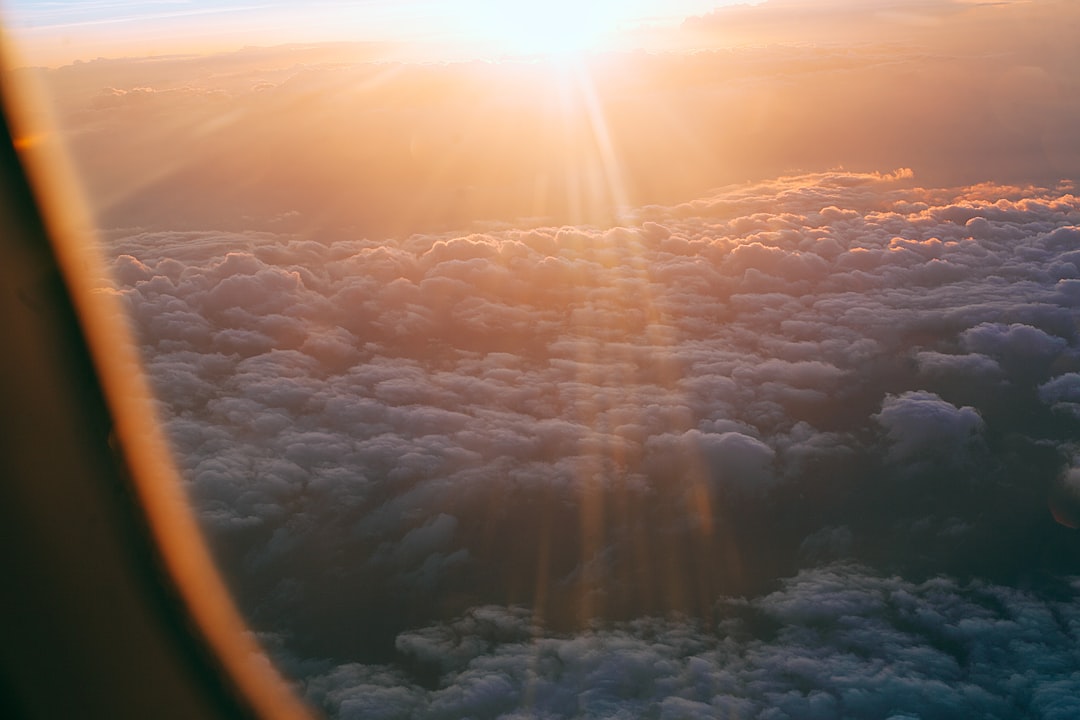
(594, 426)
(836, 641)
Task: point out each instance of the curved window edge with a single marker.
(112, 605)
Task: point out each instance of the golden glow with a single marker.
(542, 27)
(30, 140)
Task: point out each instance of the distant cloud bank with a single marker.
(348, 140)
(789, 450)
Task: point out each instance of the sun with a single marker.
(542, 27)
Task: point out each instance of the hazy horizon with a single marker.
(56, 34)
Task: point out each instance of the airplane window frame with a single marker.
(112, 606)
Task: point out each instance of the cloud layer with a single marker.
(832, 642)
(842, 378)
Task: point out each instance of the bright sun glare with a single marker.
(543, 27)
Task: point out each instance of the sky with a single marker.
(734, 382)
(60, 32)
